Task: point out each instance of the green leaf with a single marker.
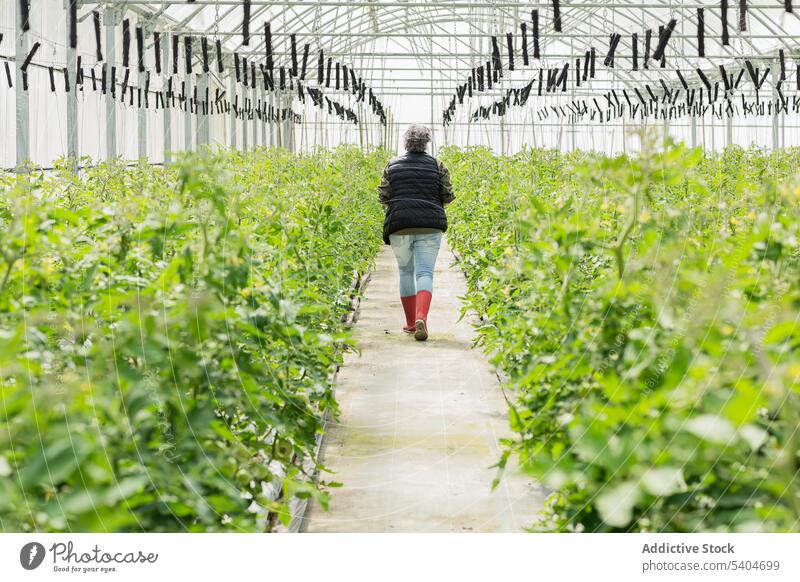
(56, 464)
(711, 428)
(615, 504)
(781, 332)
(753, 436)
(663, 481)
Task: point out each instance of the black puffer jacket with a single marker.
(416, 198)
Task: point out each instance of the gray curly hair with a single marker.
(417, 138)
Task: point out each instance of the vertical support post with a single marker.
(729, 131)
(389, 134)
(72, 101)
(703, 135)
(141, 114)
(360, 126)
(22, 105)
(783, 129)
(775, 98)
(255, 118)
(278, 102)
(324, 124)
(560, 134)
(202, 118)
(303, 136)
(141, 121)
(291, 128)
(263, 96)
(188, 140)
(694, 131)
(231, 98)
(317, 126)
(573, 137)
(289, 123)
(110, 19)
(245, 127)
(574, 126)
(713, 134)
(272, 129)
(385, 140)
(167, 113)
(624, 136)
(434, 144)
(469, 131)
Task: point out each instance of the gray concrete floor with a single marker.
(420, 424)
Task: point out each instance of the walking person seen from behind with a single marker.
(414, 190)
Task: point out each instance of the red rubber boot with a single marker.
(410, 309)
(421, 323)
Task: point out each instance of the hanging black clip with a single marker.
(268, 46)
(187, 46)
(25, 17)
(126, 42)
(220, 66)
(175, 54)
(524, 33)
(246, 24)
(496, 63)
(664, 39)
(612, 46)
(293, 39)
(556, 16)
(682, 79)
(98, 48)
(204, 52)
(157, 51)
(140, 48)
(73, 23)
(510, 43)
(742, 15)
(24, 67)
(305, 62)
(724, 18)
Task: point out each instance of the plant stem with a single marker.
(7, 274)
(637, 200)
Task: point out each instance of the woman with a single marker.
(415, 188)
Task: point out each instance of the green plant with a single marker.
(167, 337)
(644, 309)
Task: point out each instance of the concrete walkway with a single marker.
(420, 424)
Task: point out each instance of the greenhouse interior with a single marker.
(400, 266)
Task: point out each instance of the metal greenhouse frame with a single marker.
(412, 56)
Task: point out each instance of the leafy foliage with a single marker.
(167, 336)
(644, 309)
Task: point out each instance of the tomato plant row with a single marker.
(167, 336)
(644, 312)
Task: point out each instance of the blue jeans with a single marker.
(416, 257)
